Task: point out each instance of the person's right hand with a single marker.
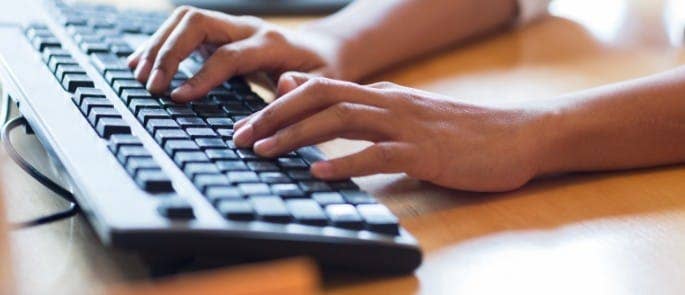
(239, 45)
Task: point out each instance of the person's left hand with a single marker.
(446, 142)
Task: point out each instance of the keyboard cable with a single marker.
(73, 208)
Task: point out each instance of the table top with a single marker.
(604, 233)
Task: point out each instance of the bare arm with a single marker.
(376, 34)
(363, 38)
(637, 123)
(472, 146)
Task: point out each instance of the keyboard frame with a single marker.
(105, 191)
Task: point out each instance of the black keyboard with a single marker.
(244, 188)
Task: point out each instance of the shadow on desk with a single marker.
(440, 217)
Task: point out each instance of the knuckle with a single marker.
(317, 85)
(194, 17)
(273, 35)
(183, 9)
(343, 112)
(384, 153)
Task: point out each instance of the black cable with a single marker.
(38, 176)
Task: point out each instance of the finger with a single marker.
(337, 121)
(143, 58)
(386, 157)
(290, 80)
(189, 34)
(227, 61)
(194, 30)
(313, 96)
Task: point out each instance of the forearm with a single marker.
(375, 34)
(633, 124)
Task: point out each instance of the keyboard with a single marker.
(164, 178)
(268, 6)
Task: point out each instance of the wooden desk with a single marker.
(603, 233)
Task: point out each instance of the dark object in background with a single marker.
(261, 7)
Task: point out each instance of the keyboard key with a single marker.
(246, 154)
(236, 209)
(210, 143)
(345, 216)
(50, 52)
(307, 212)
(94, 47)
(156, 124)
(292, 163)
(183, 158)
(42, 42)
(108, 126)
(93, 102)
(220, 122)
(314, 186)
(133, 93)
(197, 132)
(300, 174)
(147, 114)
(175, 145)
(192, 169)
(73, 81)
(113, 75)
(215, 194)
(203, 181)
(63, 70)
(102, 112)
(242, 177)
(270, 208)
(228, 166)
(105, 61)
(60, 60)
(137, 163)
(252, 189)
(262, 166)
(83, 92)
(140, 103)
(120, 85)
(121, 50)
(176, 209)
(343, 185)
(225, 133)
(330, 198)
(221, 154)
(274, 177)
(126, 153)
(287, 190)
(177, 112)
(357, 197)
(117, 141)
(162, 135)
(379, 219)
(186, 122)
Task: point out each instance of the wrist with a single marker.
(342, 53)
(554, 130)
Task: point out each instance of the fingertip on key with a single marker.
(243, 136)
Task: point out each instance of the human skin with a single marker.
(442, 140)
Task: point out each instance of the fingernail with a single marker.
(322, 169)
(156, 80)
(265, 146)
(243, 136)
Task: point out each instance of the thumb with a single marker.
(291, 80)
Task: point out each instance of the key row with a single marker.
(139, 164)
